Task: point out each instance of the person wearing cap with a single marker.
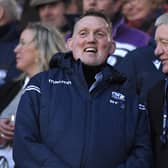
(53, 12)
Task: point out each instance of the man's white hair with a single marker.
(11, 9)
(163, 19)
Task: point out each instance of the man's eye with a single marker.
(83, 33)
(100, 34)
(165, 42)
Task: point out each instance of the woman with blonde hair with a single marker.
(37, 44)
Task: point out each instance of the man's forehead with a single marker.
(162, 30)
(91, 20)
(162, 27)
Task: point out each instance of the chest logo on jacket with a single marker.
(141, 107)
(57, 82)
(118, 99)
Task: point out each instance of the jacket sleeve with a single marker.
(29, 151)
(140, 154)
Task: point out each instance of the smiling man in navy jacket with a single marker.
(80, 114)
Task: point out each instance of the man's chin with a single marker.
(165, 69)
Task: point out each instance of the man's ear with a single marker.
(69, 43)
(112, 47)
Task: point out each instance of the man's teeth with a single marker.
(90, 49)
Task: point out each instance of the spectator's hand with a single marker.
(6, 129)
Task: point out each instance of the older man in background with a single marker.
(53, 12)
(157, 98)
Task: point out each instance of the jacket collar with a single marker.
(111, 75)
(66, 61)
(61, 60)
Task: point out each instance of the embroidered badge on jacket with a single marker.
(118, 98)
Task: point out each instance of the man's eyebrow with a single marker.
(162, 39)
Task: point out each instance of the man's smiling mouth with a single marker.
(90, 49)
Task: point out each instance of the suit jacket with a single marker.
(155, 103)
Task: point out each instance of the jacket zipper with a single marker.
(87, 134)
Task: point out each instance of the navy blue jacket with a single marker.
(60, 124)
(142, 69)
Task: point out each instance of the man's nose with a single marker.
(92, 2)
(91, 37)
(159, 49)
